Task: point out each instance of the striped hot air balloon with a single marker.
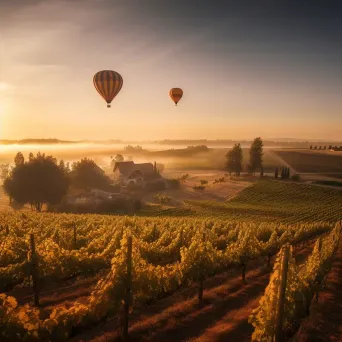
(108, 83)
(176, 94)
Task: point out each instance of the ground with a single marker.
(222, 317)
(213, 192)
(324, 322)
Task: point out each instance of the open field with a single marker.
(213, 191)
(311, 161)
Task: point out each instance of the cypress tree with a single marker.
(276, 173)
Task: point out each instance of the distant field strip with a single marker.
(278, 201)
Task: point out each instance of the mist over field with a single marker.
(179, 155)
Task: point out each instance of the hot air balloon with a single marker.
(176, 94)
(108, 83)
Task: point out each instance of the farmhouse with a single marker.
(128, 172)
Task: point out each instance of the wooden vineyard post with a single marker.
(34, 270)
(201, 278)
(75, 236)
(128, 289)
(317, 284)
(281, 299)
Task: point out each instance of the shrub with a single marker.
(296, 178)
(219, 180)
(117, 205)
(86, 174)
(155, 185)
(184, 177)
(163, 199)
(173, 183)
(199, 187)
(204, 182)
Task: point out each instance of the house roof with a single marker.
(126, 168)
(98, 169)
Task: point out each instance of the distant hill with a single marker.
(276, 142)
(36, 141)
(281, 142)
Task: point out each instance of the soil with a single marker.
(325, 320)
(222, 316)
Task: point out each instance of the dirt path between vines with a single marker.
(223, 316)
(325, 320)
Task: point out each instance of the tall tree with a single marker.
(39, 180)
(119, 158)
(86, 174)
(19, 159)
(256, 153)
(234, 159)
(282, 174)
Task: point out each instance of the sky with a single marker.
(248, 68)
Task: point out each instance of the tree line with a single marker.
(330, 147)
(43, 180)
(235, 158)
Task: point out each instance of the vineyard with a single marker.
(274, 201)
(135, 261)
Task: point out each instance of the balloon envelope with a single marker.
(176, 94)
(108, 83)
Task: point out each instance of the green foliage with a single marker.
(273, 201)
(167, 253)
(219, 180)
(86, 175)
(234, 159)
(199, 187)
(19, 159)
(183, 178)
(296, 178)
(162, 198)
(173, 183)
(39, 180)
(119, 158)
(130, 148)
(301, 285)
(256, 154)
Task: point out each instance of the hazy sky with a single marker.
(247, 68)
